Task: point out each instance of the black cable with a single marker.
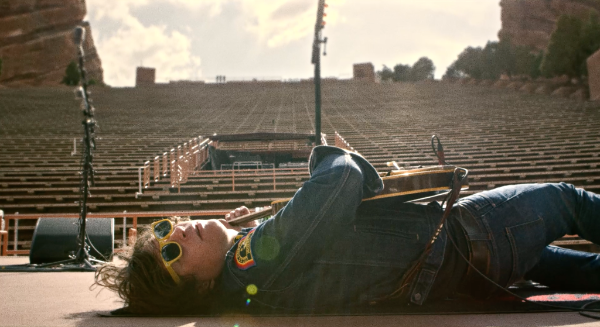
(583, 313)
(581, 310)
(89, 241)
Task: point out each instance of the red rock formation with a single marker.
(36, 41)
(531, 22)
(593, 63)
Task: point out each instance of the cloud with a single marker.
(280, 22)
(214, 6)
(401, 31)
(254, 37)
(131, 44)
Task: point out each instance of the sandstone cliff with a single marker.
(531, 22)
(36, 41)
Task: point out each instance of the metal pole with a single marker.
(74, 147)
(16, 234)
(139, 183)
(318, 100)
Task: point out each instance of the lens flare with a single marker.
(267, 248)
(247, 302)
(252, 289)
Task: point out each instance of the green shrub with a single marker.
(72, 76)
(571, 43)
(564, 55)
(386, 74)
(421, 70)
(495, 59)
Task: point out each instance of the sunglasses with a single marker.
(169, 251)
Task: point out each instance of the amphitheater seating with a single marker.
(501, 136)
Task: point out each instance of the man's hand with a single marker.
(241, 211)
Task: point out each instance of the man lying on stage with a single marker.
(324, 252)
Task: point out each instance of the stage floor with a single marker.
(65, 299)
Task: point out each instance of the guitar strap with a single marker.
(403, 290)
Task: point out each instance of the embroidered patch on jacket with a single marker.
(243, 255)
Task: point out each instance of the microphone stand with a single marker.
(316, 60)
(82, 260)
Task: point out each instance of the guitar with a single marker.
(410, 185)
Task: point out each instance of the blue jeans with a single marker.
(522, 220)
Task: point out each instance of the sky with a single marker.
(272, 39)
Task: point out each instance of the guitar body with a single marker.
(417, 184)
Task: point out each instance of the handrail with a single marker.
(54, 169)
(183, 161)
(252, 172)
(145, 180)
(156, 168)
(3, 234)
(237, 173)
(134, 215)
(74, 152)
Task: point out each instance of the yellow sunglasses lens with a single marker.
(162, 229)
(170, 252)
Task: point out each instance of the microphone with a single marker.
(79, 35)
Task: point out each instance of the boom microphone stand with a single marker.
(316, 60)
(81, 261)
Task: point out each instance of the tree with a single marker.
(386, 74)
(564, 55)
(402, 73)
(495, 59)
(523, 60)
(0, 67)
(72, 76)
(422, 69)
(452, 72)
(469, 62)
(535, 68)
(503, 59)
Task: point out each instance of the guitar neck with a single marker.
(251, 216)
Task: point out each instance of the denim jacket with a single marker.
(325, 250)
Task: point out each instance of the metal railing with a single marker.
(128, 238)
(272, 173)
(179, 162)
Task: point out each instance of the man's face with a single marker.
(204, 244)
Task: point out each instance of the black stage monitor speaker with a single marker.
(54, 239)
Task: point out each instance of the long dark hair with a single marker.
(145, 285)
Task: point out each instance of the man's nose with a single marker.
(178, 232)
